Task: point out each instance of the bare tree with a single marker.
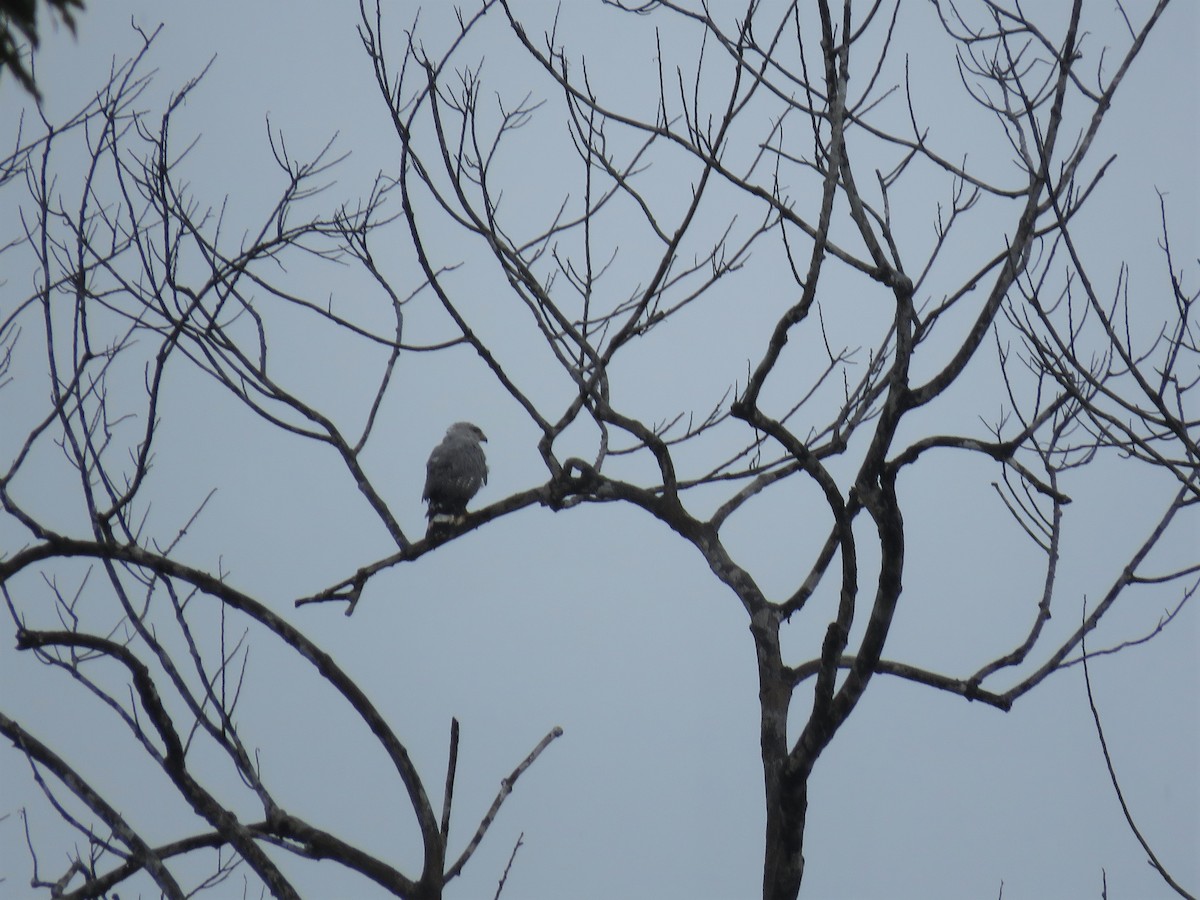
(752, 184)
(110, 277)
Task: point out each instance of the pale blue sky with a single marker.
(598, 619)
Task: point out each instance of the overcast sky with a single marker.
(597, 619)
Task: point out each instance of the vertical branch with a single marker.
(451, 768)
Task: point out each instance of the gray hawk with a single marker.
(455, 472)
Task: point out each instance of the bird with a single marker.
(455, 472)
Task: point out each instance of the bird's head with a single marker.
(467, 430)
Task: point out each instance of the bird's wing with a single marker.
(438, 470)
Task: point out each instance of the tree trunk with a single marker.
(786, 789)
(783, 863)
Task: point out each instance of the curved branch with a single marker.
(64, 547)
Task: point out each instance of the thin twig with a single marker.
(512, 856)
(1112, 774)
